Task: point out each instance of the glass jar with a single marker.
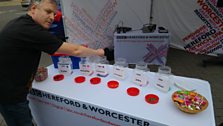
(41, 74)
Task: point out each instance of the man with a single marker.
(21, 42)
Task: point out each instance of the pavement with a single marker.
(9, 3)
(2, 122)
(9, 10)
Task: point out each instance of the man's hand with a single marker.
(100, 52)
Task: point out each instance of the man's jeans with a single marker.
(16, 114)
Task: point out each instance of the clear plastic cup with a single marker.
(164, 70)
(164, 78)
(121, 62)
(119, 68)
(141, 66)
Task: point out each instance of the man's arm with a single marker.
(78, 50)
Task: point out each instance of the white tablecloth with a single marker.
(68, 103)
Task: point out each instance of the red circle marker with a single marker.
(113, 84)
(132, 91)
(151, 98)
(58, 77)
(79, 79)
(95, 80)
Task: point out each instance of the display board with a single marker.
(136, 46)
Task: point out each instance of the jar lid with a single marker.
(151, 98)
(133, 91)
(79, 79)
(58, 77)
(113, 84)
(95, 80)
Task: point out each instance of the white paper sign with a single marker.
(101, 70)
(65, 68)
(163, 82)
(86, 69)
(119, 72)
(140, 78)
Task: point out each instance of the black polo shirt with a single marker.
(21, 43)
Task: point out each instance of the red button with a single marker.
(79, 79)
(113, 84)
(58, 77)
(132, 91)
(151, 98)
(95, 80)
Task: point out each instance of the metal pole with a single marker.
(151, 13)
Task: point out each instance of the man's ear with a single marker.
(33, 8)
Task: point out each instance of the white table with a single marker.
(65, 103)
(136, 46)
